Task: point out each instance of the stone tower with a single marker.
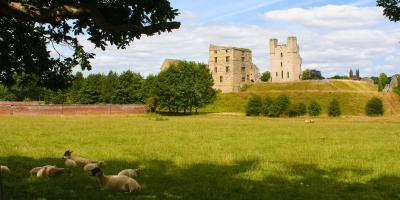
(285, 60)
(231, 68)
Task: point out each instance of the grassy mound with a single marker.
(352, 95)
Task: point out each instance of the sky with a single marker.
(333, 35)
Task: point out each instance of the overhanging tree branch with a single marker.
(63, 12)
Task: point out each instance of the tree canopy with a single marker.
(391, 9)
(29, 27)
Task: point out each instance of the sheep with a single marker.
(78, 160)
(35, 170)
(89, 167)
(4, 169)
(69, 162)
(131, 172)
(309, 121)
(115, 183)
(52, 171)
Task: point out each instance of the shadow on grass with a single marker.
(166, 180)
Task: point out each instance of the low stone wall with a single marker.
(71, 109)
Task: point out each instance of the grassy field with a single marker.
(208, 156)
(352, 95)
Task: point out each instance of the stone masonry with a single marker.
(232, 68)
(285, 60)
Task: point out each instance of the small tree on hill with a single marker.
(334, 109)
(279, 106)
(383, 80)
(266, 76)
(254, 106)
(314, 109)
(298, 109)
(374, 107)
(351, 75)
(306, 75)
(268, 101)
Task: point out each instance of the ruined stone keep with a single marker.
(285, 60)
(231, 68)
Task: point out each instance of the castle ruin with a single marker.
(285, 60)
(231, 68)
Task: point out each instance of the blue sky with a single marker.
(334, 36)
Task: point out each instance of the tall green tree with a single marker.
(185, 86)
(108, 87)
(128, 89)
(266, 76)
(306, 75)
(351, 74)
(383, 81)
(90, 92)
(29, 27)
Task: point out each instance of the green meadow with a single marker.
(208, 157)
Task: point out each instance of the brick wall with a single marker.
(71, 109)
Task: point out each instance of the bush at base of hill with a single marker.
(374, 107)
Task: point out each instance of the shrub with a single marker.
(374, 107)
(266, 104)
(314, 109)
(298, 109)
(334, 108)
(151, 104)
(279, 106)
(254, 106)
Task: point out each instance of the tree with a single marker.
(266, 76)
(334, 109)
(298, 109)
(358, 74)
(109, 86)
(374, 107)
(383, 81)
(254, 106)
(184, 86)
(29, 27)
(90, 92)
(306, 75)
(351, 74)
(128, 88)
(391, 9)
(314, 109)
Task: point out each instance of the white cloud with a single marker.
(329, 16)
(331, 52)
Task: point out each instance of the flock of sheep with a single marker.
(123, 182)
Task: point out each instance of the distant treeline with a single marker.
(185, 87)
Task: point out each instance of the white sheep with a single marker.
(89, 167)
(78, 160)
(52, 171)
(69, 162)
(4, 169)
(131, 172)
(115, 183)
(309, 121)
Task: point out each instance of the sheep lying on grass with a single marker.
(50, 171)
(115, 183)
(309, 121)
(69, 163)
(89, 167)
(4, 169)
(131, 172)
(78, 160)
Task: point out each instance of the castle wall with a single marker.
(285, 61)
(231, 68)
